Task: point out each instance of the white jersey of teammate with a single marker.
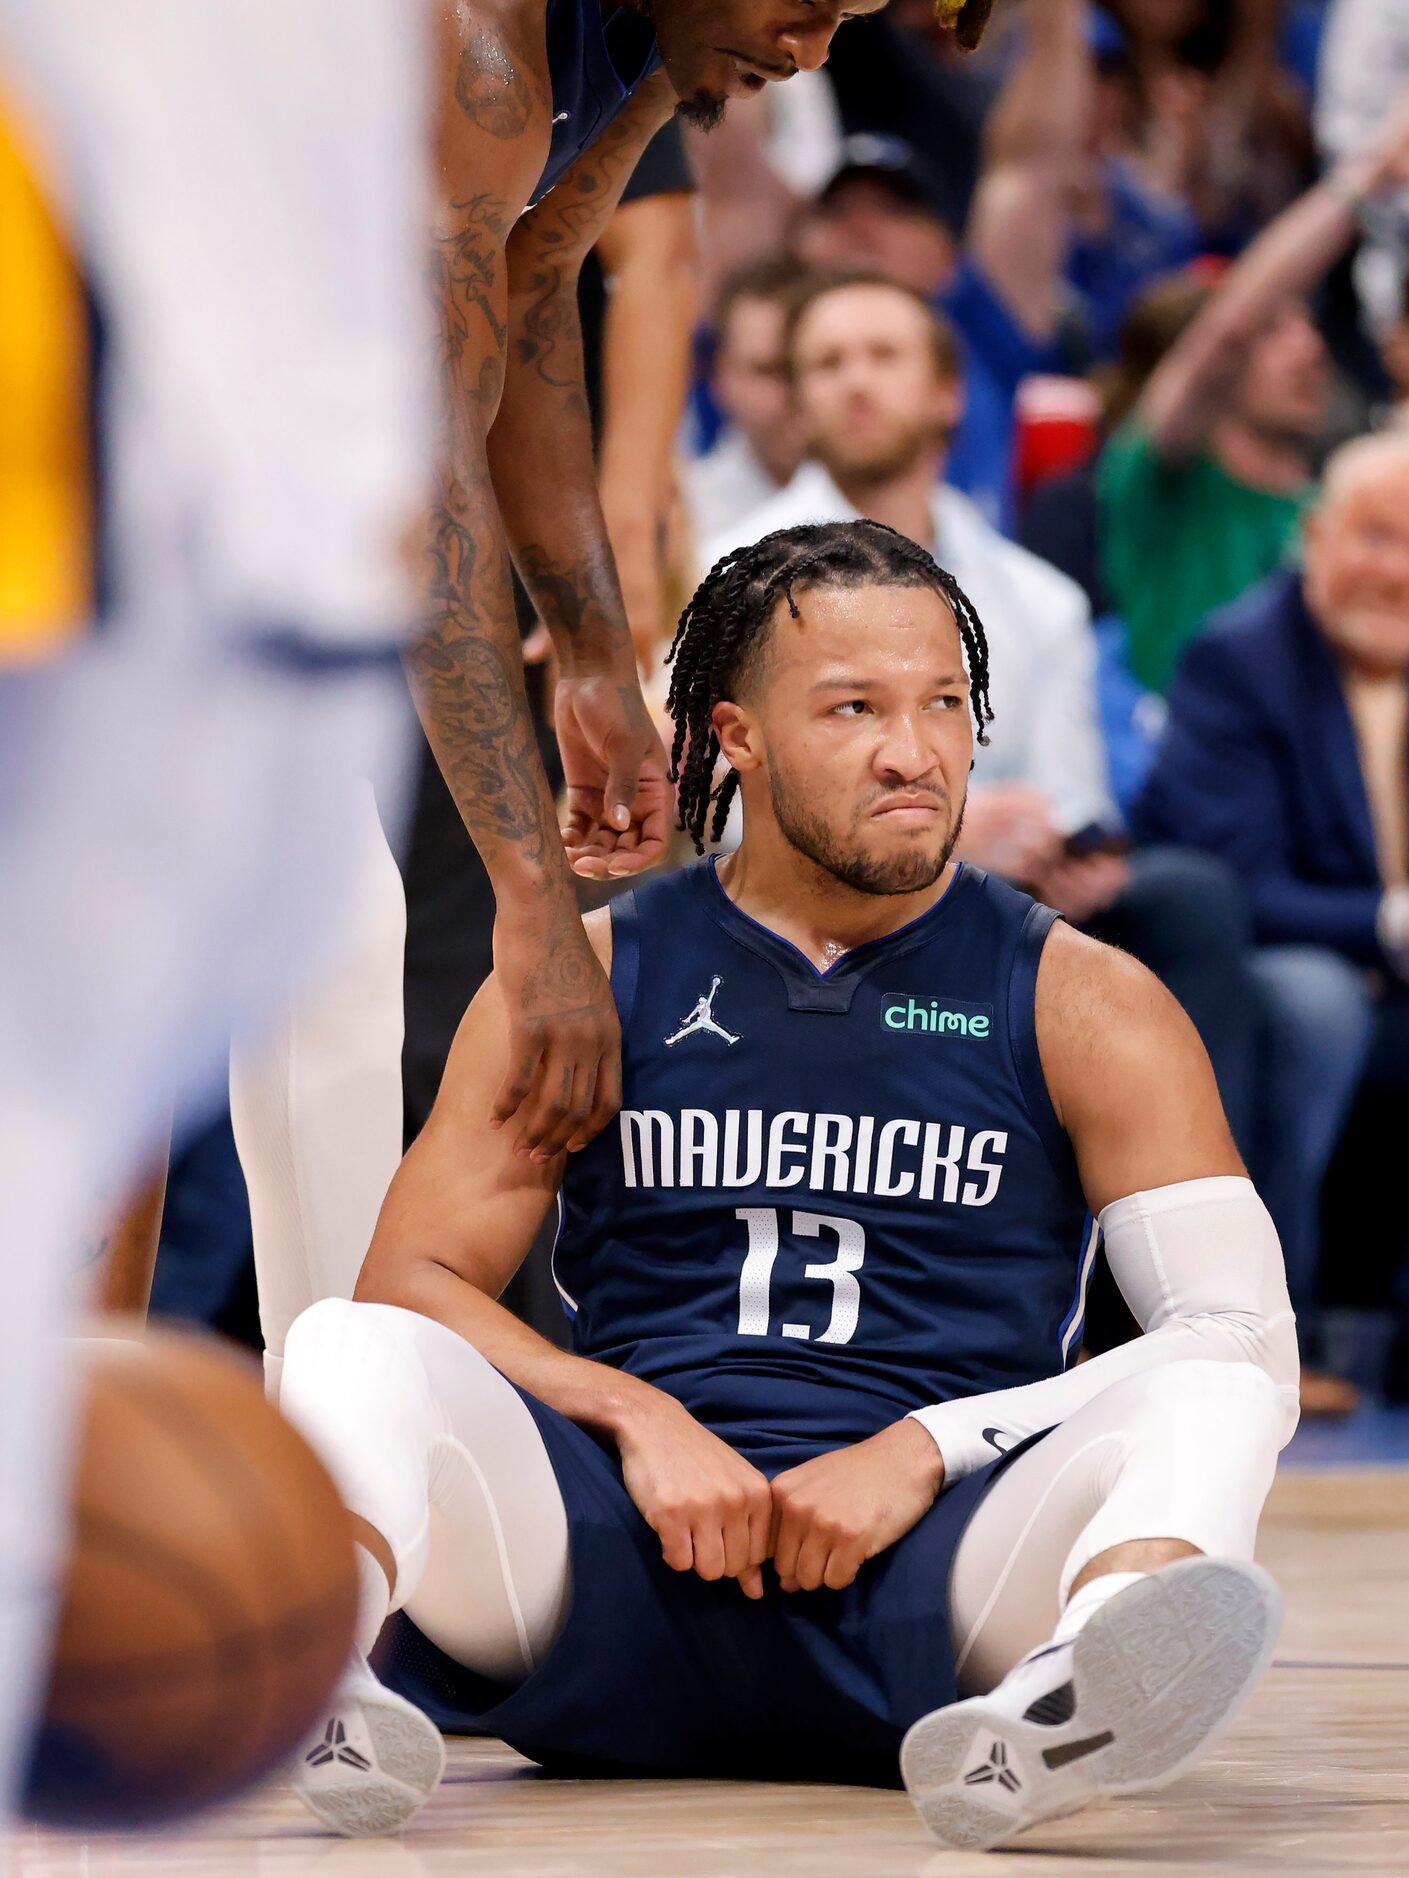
(244, 181)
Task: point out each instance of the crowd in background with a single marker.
(1113, 318)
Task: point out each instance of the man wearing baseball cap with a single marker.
(998, 281)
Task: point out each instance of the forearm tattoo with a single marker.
(557, 235)
(572, 578)
(466, 666)
(579, 599)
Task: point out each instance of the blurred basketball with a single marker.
(210, 1597)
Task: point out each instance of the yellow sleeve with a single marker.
(46, 522)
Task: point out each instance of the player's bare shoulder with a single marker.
(493, 62)
(1128, 1075)
(1102, 1014)
(493, 105)
(598, 927)
(1092, 996)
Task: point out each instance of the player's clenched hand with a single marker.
(832, 1514)
(562, 1083)
(709, 1508)
(618, 787)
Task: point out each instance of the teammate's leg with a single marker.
(315, 1100)
(462, 1521)
(36, 1408)
(145, 908)
(164, 855)
(1122, 1539)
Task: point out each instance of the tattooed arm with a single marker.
(493, 114)
(540, 452)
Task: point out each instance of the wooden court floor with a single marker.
(1315, 1778)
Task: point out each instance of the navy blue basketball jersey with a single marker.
(595, 65)
(830, 1197)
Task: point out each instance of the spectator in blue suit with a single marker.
(1287, 753)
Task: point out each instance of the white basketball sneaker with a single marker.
(1150, 1680)
(373, 1760)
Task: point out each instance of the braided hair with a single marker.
(725, 627)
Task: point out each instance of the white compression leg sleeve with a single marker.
(435, 1450)
(1186, 1451)
(316, 1102)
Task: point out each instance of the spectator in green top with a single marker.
(1202, 490)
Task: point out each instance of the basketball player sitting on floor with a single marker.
(792, 1498)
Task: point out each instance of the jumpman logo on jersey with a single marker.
(702, 1018)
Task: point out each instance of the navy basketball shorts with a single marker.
(657, 1672)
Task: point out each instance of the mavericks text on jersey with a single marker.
(830, 1197)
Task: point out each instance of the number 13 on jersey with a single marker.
(756, 1278)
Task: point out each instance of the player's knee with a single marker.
(1193, 1385)
(320, 1321)
(348, 1365)
(355, 1386)
(336, 1331)
(1205, 1378)
(1200, 1394)
(314, 1341)
(372, 1381)
(369, 1332)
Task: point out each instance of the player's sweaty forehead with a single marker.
(868, 634)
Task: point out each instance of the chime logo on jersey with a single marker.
(837, 1154)
(936, 1016)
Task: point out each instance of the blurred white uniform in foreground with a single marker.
(244, 182)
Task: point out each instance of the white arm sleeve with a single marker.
(1200, 1266)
